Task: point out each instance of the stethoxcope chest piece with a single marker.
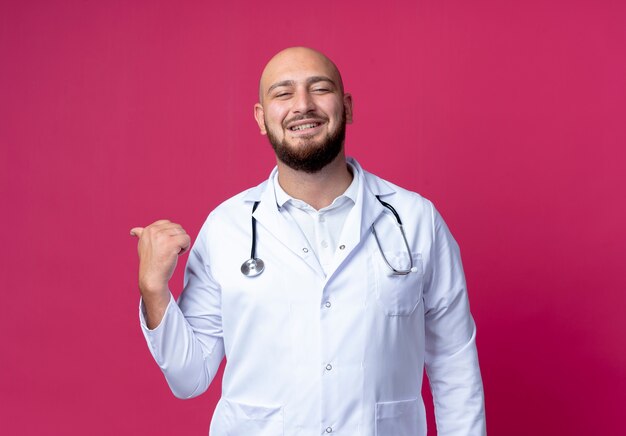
(252, 267)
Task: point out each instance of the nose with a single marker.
(303, 102)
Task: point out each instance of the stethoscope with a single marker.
(255, 266)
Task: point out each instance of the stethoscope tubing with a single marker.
(254, 266)
(398, 272)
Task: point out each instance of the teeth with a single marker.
(304, 126)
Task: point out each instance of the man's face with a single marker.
(303, 109)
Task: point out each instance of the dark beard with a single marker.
(309, 157)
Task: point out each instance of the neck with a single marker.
(317, 189)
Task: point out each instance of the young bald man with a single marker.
(328, 325)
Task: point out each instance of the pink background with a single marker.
(509, 115)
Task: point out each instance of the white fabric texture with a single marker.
(321, 228)
(338, 349)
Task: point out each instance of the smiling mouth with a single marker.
(304, 127)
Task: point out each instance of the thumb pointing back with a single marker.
(136, 231)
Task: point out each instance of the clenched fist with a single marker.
(159, 246)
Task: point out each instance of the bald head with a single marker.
(286, 65)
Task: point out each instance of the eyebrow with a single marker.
(309, 81)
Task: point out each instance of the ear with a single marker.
(347, 107)
(259, 116)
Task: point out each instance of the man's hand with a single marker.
(159, 246)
